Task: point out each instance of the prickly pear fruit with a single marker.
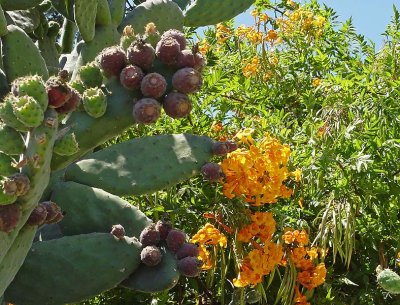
(6, 168)
(141, 54)
(131, 76)
(72, 103)
(11, 142)
(177, 35)
(177, 105)
(211, 171)
(146, 111)
(149, 236)
(153, 85)
(189, 59)
(189, 266)
(28, 111)
(118, 231)
(32, 86)
(9, 217)
(38, 216)
(222, 148)
(163, 227)
(78, 85)
(94, 102)
(112, 60)
(168, 50)
(67, 145)
(7, 114)
(91, 75)
(175, 240)
(54, 213)
(187, 249)
(187, 80)
(58, 92)
(127, 38)
(151, 256)
(17, 184)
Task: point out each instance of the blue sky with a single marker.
(370, 17)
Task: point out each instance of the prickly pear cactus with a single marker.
(388, 280)
(117, 77)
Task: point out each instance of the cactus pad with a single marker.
(95, 210)
(206, 12)
(143, 165)
(85, 16)
(95, 261)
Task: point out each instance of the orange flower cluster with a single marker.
(258, 172)
(301, 20)
(259, 262)
(309, 274)
(300, 299)
(208, 235)
(262, 226)
(251, 68)
(262, 260)
(223, 33)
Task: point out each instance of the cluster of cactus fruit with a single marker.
(60, 99)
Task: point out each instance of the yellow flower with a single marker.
(204, 47)
(297, 175)
(150, 28)
(316, 82)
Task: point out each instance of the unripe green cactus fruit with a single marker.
(389, 280)
(28, 111)
(11, 142)
(90, 74)
(7, 114)
(143, 165)
(6, 168)
(32, 86)
(94, 102)
(66, 145)
(73, 268)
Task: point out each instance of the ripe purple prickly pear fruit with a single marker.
(9, 217)
(177, 105)
(141, 54)
(153, 85)
(72, 103)
(222, 148)
(118, 231)
(168, 50)
(189, 266)
(187, 249)
(112, 60)
(58, 92)
(175, 240)
(54, 213)
(189, 59)
(211, 171)
(131, 76)
(177, 35)
(149, 236)
(151, 256)
(38, 216)
(187, 80)
(163, 227)
(17, 184)
(146, 111)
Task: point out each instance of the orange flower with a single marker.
(313, 277)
